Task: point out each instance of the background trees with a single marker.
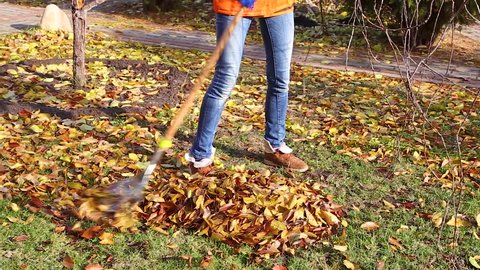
(420, 21)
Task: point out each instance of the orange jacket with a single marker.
(262, 8)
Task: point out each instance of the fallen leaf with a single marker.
(206, 261)
(279, 267)
(473, 262)
(380, 265)
(340, 248)
(20, 238)
(402, 228)
(15, 207)
(369, 226)
(395, 243)
(459, 221)
(477, 218)
(106, 238)
(389, 204)
(91, 232)
(94, 266)
(348, 264)
(59, 229)
(437, 219)
(188, 259)
(68, 262)
(36, 129)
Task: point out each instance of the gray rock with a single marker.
(54, 19)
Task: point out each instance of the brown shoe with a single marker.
(283, 157)
(202, 170)
(203, 166)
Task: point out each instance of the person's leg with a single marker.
(224, 79)
(278, 34)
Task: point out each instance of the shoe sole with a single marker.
(270, 163)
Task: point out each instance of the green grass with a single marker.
(356, 185)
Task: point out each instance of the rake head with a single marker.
(114, 204)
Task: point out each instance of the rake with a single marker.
(129, 191)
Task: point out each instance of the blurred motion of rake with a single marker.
(123, 196)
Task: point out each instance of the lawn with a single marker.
(369, 151)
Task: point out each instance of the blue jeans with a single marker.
(277, 33)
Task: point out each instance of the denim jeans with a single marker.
(277, 33)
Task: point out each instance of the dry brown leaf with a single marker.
(206, 261)
(395, 243)
(59, 229)
(91, 232)
(68, 262)
(20, 238)
(94, 266)
(188, 259)
(370, 226)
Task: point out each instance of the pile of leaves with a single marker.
(236, 206)
(244, 206)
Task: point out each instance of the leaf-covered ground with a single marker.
(369, 151)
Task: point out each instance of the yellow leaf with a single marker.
(459, 221)
(477, 218)
(311, 219)
(199, 202)
(332, 131)
(133, 157)
(106, 238)
(249, 200)
(437, 219)
(402, 228)
(12, 72)
(388, 204)
(15, 166)
(278, 225)
(14, 207)
(245, 128)
(36, 129)
(330, 218)
(370, 226)
(349, 264)
(340, 248)
(473, 262)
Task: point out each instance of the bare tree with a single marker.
(415, 16)
(79, 15)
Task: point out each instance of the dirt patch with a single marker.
(172, 85)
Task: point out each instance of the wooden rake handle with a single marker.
(211, 62)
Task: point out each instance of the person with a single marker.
(276, 22)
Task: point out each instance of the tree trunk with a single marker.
(79, 15)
